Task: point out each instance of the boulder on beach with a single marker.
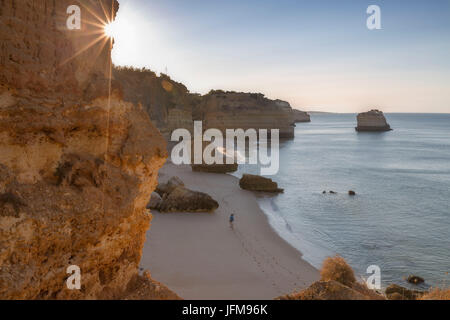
(165, 188)
(372, 121)
(155, 200)
(396, 292)
(257, 183)
(175, 197)
(215, 168)
(182, 199)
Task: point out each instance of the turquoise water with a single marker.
(400, 218)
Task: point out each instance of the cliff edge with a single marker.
(229, 110)
(300, 116)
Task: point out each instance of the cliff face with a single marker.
(372, 120)
(228, 110)
(77, 162)
(300, 116)
(171, 106)
(168, 103)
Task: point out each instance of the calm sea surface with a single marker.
(400, 218)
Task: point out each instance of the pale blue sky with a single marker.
(318, 55)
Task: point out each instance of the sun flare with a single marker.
(109, 30)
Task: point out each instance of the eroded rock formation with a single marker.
(372, 121)
(229, 110)
(168, 103)
(257, 183)
(171, 105)
(300, 116)
(77, 162)
(177, 198)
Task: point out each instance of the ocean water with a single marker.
(400, 218)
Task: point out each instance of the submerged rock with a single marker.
(415, 279)
(372, 121)
(257, 183)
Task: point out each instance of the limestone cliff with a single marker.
(77, 162)
(300, 116)
(168, 103)
(372, 120)
(228, 110)
(171, 105)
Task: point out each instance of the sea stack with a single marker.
(372, 121)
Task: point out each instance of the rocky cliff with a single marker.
(372, 120)
(300, 116)
(229, 110)
(77, 162)
(171, 105)
(168, 102)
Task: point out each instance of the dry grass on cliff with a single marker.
(437, 294)
(337, 282)
(337, 269)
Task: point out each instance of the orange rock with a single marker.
(77, 165)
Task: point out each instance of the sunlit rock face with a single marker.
(371, 121)
(77, 162)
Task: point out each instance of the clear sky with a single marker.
(318, 55)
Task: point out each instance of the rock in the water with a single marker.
(257, 183)
(181, 199)
(415, 279)
(396, 292)
(352, 193)
(165, 188)
(155, 201)
(372, 121)
(215, 168)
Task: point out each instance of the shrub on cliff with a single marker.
(337, 269)
(337, 283)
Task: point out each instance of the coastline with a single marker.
(198, 255)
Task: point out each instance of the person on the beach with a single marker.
(231, 220)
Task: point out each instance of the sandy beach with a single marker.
(199, 256)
